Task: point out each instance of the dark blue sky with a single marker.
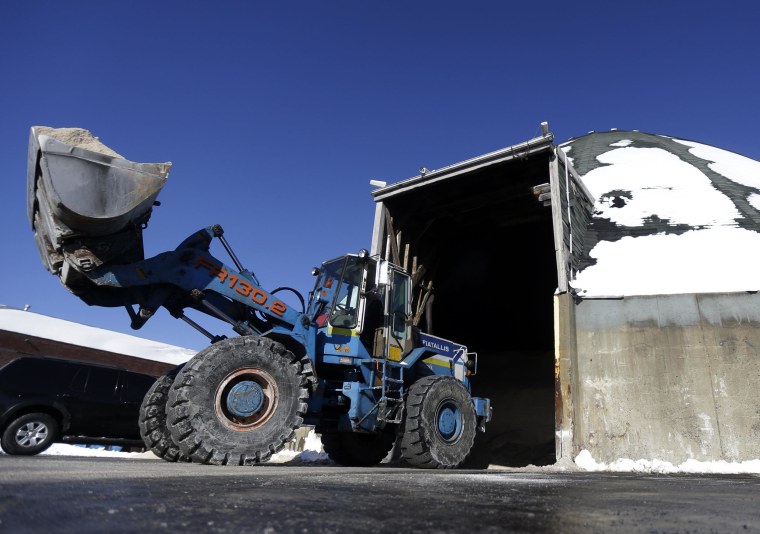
(277, 114)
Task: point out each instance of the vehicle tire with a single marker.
(439, 424)
(356, 449)
(152, 422)
(30, 434)
(238, 401)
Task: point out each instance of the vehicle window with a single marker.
(102, 382)
(399, 303)
(35, 373)
(346, 303)
(79, 381)
(134, 386)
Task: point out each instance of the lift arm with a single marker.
(190, 276)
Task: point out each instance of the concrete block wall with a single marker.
(671, 377)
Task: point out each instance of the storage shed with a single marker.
(567, 267)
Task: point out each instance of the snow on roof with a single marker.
(671, 216)
(42, 326)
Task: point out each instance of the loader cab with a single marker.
(387, 308)
(368, 297)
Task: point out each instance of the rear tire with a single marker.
(355, 449)
(30, 434)
(238, 401)
(152, 422)
(439, 423)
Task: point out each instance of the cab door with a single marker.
(398, 308)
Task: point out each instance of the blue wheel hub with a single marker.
(245, 398)
(449, 422)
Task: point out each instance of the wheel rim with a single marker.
(246, 399)
(31, 434)
(449, 421)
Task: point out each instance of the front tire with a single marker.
(152, 422)
(30, 434)
(354, 449)
(237, 402)
(439, 423)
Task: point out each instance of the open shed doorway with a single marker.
(486, 244)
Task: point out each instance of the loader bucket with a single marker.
(87, 204)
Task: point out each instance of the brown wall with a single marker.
(13, 345)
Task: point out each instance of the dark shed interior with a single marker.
(486, 243)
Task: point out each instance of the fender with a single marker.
(440, 355)
(38, 404)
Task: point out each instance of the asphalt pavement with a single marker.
(103, 495)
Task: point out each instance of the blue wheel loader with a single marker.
(352, 362)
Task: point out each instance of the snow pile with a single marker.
(65, 449)
(670, 216)
(585, 461)
(312, 452)
(33, 324)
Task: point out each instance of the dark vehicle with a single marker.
(48, 400)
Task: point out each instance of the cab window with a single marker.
(399, 303)
(344, 313)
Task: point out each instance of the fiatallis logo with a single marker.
(441, 346)
(435, 346)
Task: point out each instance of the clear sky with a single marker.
(276, 115)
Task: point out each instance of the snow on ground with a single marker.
(313, 454)
(716, 256)
(34, 324)
(65, 449)
(586, 462)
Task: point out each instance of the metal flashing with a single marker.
(526, 148)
